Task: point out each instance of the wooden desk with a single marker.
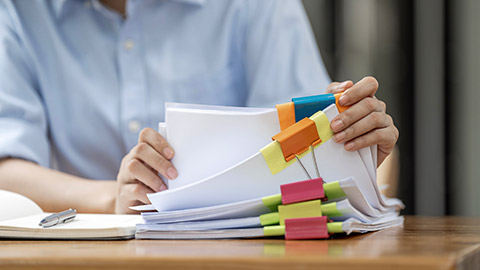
(423, 243)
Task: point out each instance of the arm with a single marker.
(23, 128)
(25, 145)
(56, 191)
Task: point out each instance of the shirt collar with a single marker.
(62, 6)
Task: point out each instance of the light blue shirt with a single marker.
(78, 83)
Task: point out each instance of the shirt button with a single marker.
(128, 45)
(134, 126)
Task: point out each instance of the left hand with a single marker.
(366, 122)
(139, 169)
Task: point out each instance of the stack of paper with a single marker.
(229, 167)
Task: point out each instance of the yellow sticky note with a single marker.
(323, 126)
(300, 210)
(273, 155)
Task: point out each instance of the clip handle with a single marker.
(306, 228)
(302, 191)
(297, 139)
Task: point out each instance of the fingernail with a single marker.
(349, 146)
(337, 125)
(162, 187)
(343, 100)
(339, 136)
(172, 173)
(341, 86)
(168, 152)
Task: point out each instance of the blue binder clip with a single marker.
(308, 106)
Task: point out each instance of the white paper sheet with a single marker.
(331, 112)
(252, 178)
(345, 207)
(246, 222)
(388, 221)
(348, 226)
(210, 139)
(249, 208)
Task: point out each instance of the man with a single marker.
(82, 83)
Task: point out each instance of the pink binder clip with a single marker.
(302, 191)
(306, 228)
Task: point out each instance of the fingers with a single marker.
(140, 172)
(373, 121)
(367, 87)
(139, 192)
(130, 195)
(356, 112)
(157, 142)
(365, 122)
(147, 154)
(336, 87)
(385, 138)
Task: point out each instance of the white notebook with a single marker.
(85, 226)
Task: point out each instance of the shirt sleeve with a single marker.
(281, 56)
(23, 127)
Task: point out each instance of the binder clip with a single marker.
(291, 114)
(306, 228)
(307, 106)
(297, 139)
(300, 210)
(303, 191)
(301, 107)
(305, 209)
(312, 208)
(298, 228)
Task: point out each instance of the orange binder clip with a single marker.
(298, 138)
(339, 107)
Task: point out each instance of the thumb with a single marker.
(337, 87)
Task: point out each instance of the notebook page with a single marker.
(14, 205)
(81, 222)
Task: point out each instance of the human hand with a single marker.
(366, 122)
(138, 174)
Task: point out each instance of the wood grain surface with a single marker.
(422, 243)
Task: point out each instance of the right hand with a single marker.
(366, 122)
(138, 174)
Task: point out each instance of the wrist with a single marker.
(107, 196)
(100, 197)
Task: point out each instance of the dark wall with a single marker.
(374, 37)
